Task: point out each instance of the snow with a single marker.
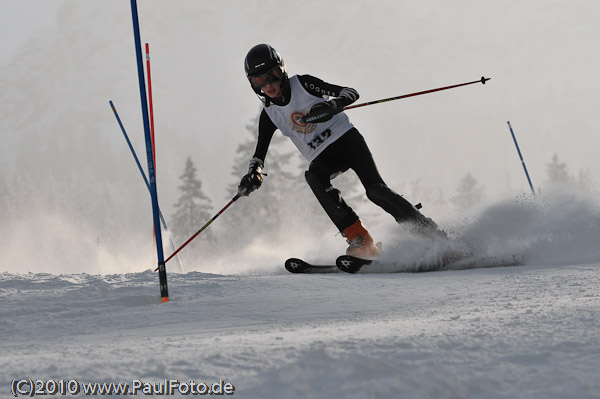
(529, 331)
(526, 332)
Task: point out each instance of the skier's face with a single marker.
(269, 82)
(272, 89)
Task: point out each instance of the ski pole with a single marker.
(482, 80)
(238, 195)
(137, 161)
(521, 156)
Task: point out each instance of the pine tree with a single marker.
(469, 192)
(284, 200)
(557, 171)
(585, 177)
(193, 207)
(261, 212)
(428, 196)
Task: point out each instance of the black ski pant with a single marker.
(351, 152)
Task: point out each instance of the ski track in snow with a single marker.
(527, 332)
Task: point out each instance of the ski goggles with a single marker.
(273, 75)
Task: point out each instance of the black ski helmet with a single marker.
(261, 59)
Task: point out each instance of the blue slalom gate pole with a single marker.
(137, 161)
(521, 156)
(162, 271)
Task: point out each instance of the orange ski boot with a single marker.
(360, 242)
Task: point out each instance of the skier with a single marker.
(325, 136)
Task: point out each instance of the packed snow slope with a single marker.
(518, 332)
(529, 331)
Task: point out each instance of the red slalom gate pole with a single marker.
(482, 80)
(151, 110)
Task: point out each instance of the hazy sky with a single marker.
(62, 61)
(538, 53)
(22, 19)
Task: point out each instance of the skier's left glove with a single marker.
(322, 112)
(253, 179)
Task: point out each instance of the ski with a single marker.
(484, 262)
(299, 266)
(352, 264)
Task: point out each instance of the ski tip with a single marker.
(295, 265)
(484, 79)
(351, 264)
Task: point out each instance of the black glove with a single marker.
(322, 112)
(253, 179)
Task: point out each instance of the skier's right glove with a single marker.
(253, 179)
(324, 111)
